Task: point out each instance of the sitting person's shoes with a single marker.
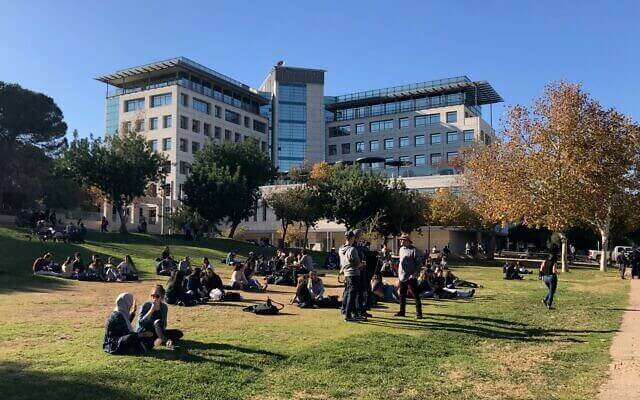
(399, 314)
(361, 318)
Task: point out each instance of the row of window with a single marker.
(420, 160)
(385, 125)
(389, 143)
(195, 146)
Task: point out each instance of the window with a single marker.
(227, 134)
(468, 135)
(374, 145)
(133, 105)
(388, 160)
(388, 144)
(247, 122)
(452, 137)
(218, 112)
(345, 148)
(237, 137)
(167, 121)
(359, 147)
(201, 106)
(381, 126)
(419, 160)
(451, 155)
(127, 126)
(184, 122)
(418, 140)
(160, 100)
(153, 144)
(184, 167)
(153, 123)
(195, 126)
(183, 144)
(404, 141)
(140, 125)
(259, 126)
(206, 129)
(404, 159)
(195, 147)
(359, 129)
(452, 116)
(403, 122)
(231, 116)
(435, 138)
(429, 119)
(166, 144)
(217, 132)
(436, 158)
(336, 131)
(333, 149)
(152, 216)
(184, 100)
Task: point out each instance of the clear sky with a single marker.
(58, 47)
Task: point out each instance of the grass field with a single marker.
(501, 344)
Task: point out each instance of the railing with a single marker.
(402, 88)
(367, 111)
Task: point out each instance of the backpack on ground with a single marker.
(231, 296)
(267, 308)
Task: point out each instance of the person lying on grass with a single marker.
(433, 285)
(383, 291)
(119, 336)
(452, 281)
(153, 318)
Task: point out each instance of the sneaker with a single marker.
(366, 314)
(399, 314)
(361, 318)
(169, 345)
(349, 319)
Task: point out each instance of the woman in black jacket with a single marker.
(119, 336)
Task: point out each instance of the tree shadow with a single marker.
(18, 381)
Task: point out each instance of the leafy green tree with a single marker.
(121, 167)
(285, 208)
(225, 180)
(27, 119)
(185, 216)
(301, 204)
(404, 212)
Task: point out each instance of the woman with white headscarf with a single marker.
(119, 336)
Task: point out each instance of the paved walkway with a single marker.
(624, 370)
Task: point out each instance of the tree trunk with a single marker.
(604, 256)
(563, 252)
(234, 226)
(492, 245)
(123, 222)
(306, 235)
(285, 225)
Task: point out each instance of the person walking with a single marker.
(408, 269)
(549, 274)
(621, 263)
(350, 267)
(104, 224)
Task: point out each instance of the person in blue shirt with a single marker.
(153, 318)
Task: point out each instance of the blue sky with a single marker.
(57, 47)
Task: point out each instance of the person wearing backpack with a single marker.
(350, 267)
(408, 267)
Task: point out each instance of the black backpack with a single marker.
(267, 308)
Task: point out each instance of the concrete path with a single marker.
(624, 370)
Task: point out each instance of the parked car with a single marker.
(597, 254)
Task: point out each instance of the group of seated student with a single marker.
(120, 337)
(310, 293)
(514, 271)
(287, 268)
(187, 287)
(242, 279)
(435, 284)
(74, 268)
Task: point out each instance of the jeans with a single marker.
(552, 283)
(351, 297)
(622, 268)
(413, 283)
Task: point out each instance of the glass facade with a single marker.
(430, 119)
(201, 106)
(381, 126)
(113, 115)
(452, 137)
(133, 105)
(292, 125)
(161, 100)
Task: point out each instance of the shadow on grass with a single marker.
(198, 352)
(487, 328)
(17, 381)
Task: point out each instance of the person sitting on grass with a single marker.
(239, 280)
(383, 291)
(67, 268)
(315, 286)
(78, 265)
(111, 273)
(119, 336)
(231, 258)
(210, 280)
(441, 291)
(176, 293)
(42, 265)
(95, 271)
(185, 265)
(166, 266)
(206, 264)
(153, 318)
(303, 296)
(290, 260)
(166, 253)
(521, 269)
(510, 272)
(127, 269)
(305, 262)
(194, 286)
(452, 281)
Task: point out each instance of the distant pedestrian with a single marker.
(104, 224)
(549, 274)
(621, 263)
(408, 269)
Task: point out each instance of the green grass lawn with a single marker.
(501, 344)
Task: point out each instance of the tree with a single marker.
(185, 216)
(563, 161)
(27, 118)
(405, 211)
(225, 180)
(285, 209)
(350, 196)
(121, 167)
(449, 209)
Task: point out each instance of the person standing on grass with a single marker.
(408, 268)
(153, 318)
(622, 264)
(104, 224)
(549, 273)
(350, 267)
